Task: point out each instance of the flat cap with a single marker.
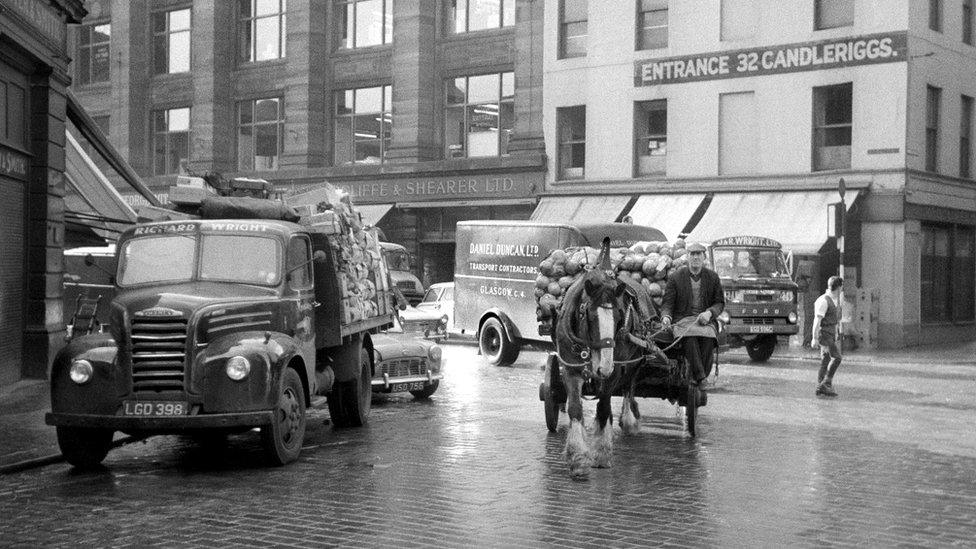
(695, 247)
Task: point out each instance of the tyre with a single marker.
(282, 440)
(691, 408)
(82, 447)
(547, 393)
(552, 411)
(426, 391)
(350, 401)
(495, 345)
(761, 348)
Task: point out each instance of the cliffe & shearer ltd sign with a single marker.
(804, 56)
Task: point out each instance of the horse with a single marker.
(599, 343)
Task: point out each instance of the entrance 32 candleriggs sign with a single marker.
(804, 56)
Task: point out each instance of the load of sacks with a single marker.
(359, 260)
(649, 263)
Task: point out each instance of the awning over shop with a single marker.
(669, 213)
(798, 220)
(373, 213)
(91, 201)
(579, 209)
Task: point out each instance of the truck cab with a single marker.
(398, 261)
(760, 295)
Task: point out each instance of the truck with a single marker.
(495, 268)
(398, 261)
(760, 295)
(225, 325)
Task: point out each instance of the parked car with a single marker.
(440, 299)
(422, 322)
(405, 362)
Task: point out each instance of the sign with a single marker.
(803, 56)
(454, 187)
(40, 15)
(760, 241)
(14, 164)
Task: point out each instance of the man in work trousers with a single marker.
(695, 298)
(826, 313)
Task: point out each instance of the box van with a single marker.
(495, 267)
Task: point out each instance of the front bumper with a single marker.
(161, 423)
(384, 383)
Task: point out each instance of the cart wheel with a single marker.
(691, 408)
(547, 393)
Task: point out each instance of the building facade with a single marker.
(426, 111)
(34, 77)
(743, 116)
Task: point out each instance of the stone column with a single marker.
(130, 66)
(527, 137)
(212, 128)
(306, 85)
(415, 83)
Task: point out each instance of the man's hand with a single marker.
(666, 323)
(704, 317)
(814, 344)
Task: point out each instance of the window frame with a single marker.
(90, 45)
(506, 16)
(821, 127)
(168, 134)
(563, 143)
(466, 105)
(642, 138)
(933, 108)
(386, 112)
(249, 21)
(253, 125)
(936, 17)
(342, 24)
(306, 245)
(967, 22)
(641, 26)
(168, 34)
(563, 26)
(819, 12)
(965, 136)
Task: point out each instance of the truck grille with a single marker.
(402, 367)
(759, 320)
(158, 354)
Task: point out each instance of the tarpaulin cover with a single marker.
(244, 207)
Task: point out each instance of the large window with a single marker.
(651, 137)
(260, 126)
(933, 104)
(935, 15)
(832, 122)
(652, 24)
(571, 127)
(830, 14)
(948, 274)
(967, 22)
(171, 41)
(262, 30)
(363, 125)
(93, 54)
(479, 115)
(474, 15)
(572, 28)
(171, 140)
(363, 23)
(965, 136)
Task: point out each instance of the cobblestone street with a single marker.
(889, 462)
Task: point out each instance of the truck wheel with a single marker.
(350, 401)
(495, 345)
(282, 440)
(84, 448)
(761, 348)
(426, 391)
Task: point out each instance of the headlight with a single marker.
(444, 320)
(791, 318)
(724, 317)
(238, 367)
(434, 353)
(81, 371)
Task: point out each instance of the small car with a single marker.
(406, 363)
(439, 299)
(422, 322)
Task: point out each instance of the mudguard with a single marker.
(102, 393)
(511, 330)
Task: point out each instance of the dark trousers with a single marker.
(829, 359)
(699, 353)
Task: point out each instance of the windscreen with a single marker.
(222, 258)
(397, 261)
(157, 259)
(749, 263)
(430, 296)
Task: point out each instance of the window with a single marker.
(932, 105)
(652, 24)
(738, 139)
(262, 30)
(479, 115)
(967, 22)
(363, 125)
(171, 41)
(474, 15)
(171, 140)
(948, 274)
(14, 113)
(935, 15)
(93, 54)
(832, 121)
(299, 275)
(571, 127)
(965, 136)
(363, 23)
(830, 14)
(572, 28)
(651, 136)
(260, 127)
(738, 19)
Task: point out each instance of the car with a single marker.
(423, 322)
(406, 362)
(439, 299)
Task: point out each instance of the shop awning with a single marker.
(91, 201)
(798, 220)
(579, 209)
(373, 213)
(668, 213)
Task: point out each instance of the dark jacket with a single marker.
(677, 295)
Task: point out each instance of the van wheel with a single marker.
(350, 401)
(282, 440)
(761, 348)
(84, 448)
(495, 345)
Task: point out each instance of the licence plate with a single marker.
(148, 408)
(408, 386)
(760, 329)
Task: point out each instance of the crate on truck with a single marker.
(496, 265)
(222, 325)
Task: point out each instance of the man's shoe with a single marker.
(828, 388)
(820, 390)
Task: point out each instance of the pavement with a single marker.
(28, 442)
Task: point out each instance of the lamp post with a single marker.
(841, 190)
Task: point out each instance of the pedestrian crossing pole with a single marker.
(841, 190)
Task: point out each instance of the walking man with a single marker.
(695, 298)
(826, 311)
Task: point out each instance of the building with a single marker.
(426, 111)
(743, 116)
(34, 77)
